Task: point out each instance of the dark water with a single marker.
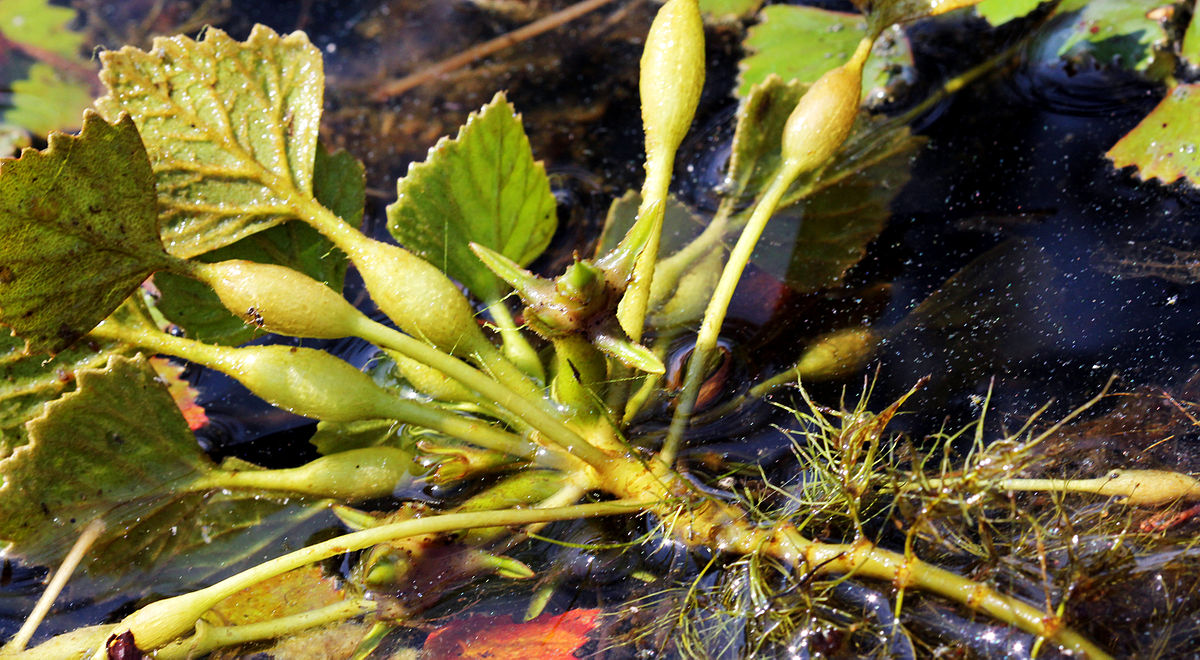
(1012, 195)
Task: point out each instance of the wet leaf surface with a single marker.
(1164, 145)
(117, 448)
(27, 382)
(998, 12)
(892, 12)
(1109, 31)
(1189, 49)
(482, 186)
(231, 129)
(293, 592)
(85, 211)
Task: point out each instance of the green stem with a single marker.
(159, 623)
(650, 383)
(866, 560)
(531, 410)
(223, 359)
(632, 310)
(516, 346)
(718, 306)
(209, 638)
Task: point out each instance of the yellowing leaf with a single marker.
(231, 129)
(291, 593)
(483, 186)
(1164, 145)
(80, 232)
(498, 638)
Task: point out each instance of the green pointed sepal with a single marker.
(613, 342)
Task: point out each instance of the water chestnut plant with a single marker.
(522, 397)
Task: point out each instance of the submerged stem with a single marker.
(210, 638)
(57, 583)
(867, 560)
(161, 622)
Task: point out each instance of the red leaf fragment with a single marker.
(498, 638)
(183, 393)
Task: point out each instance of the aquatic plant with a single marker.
(201, 167)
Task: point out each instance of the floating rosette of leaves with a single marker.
(527, 437)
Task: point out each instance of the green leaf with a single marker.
(1189, 50)
(27, 382)
(998, 12)
(116, 448)
(41, 25)
(726, 9)
(1164, 145)
(231, 129)
(801, 43)
(680, 224)
(80, 229)
(339, 185)
(482, 186)
(1107, 31)
(757, 139)
(47, 101)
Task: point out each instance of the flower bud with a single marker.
(823, 118)
(672, 75)
(357, 474)
(279, 299)
(1149, 487)
(308, 382)
(418, 297)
